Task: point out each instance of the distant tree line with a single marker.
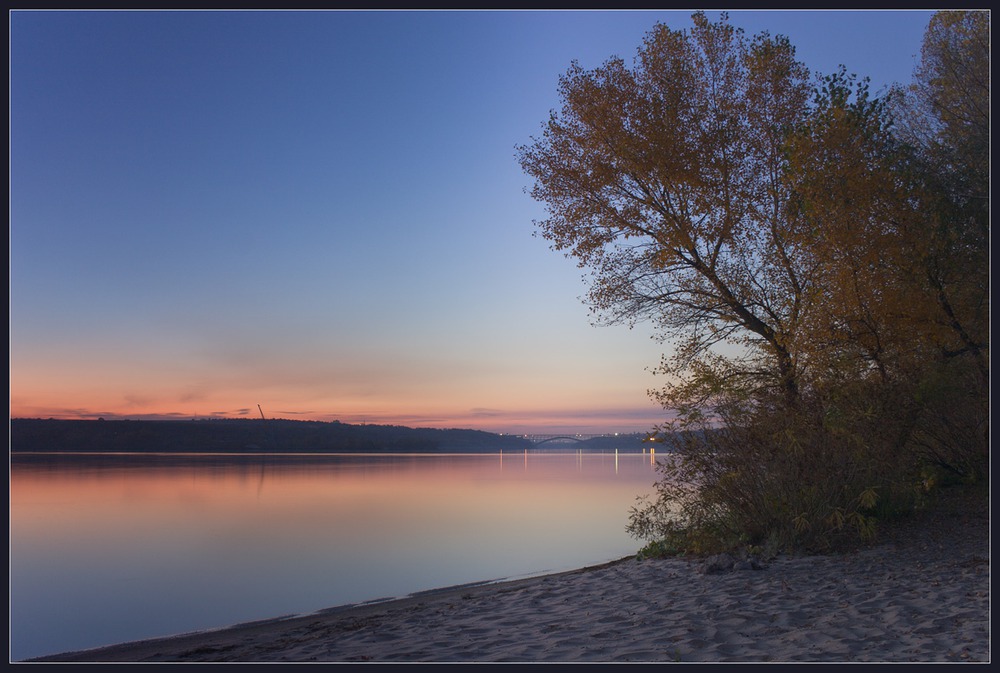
(246, 435)
(817, 257)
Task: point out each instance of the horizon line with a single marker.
(517, 429)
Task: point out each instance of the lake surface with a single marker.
(110, 548)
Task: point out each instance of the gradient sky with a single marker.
(322, 213)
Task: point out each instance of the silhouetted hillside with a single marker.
(247, 435)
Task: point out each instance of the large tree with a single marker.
(944, 116)
(666, 180)
(855, 217)
(711, 189)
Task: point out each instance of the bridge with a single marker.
(543, 439)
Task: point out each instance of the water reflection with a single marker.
(112, 548)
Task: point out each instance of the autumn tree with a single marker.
(834, 240)
(893, 194)
(946, 114)
(855, 216)
(944, 117)
(666, 181)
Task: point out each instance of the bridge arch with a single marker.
(558, 438)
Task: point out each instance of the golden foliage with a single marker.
(818, 259)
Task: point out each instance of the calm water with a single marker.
(106, 549)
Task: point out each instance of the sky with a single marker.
(321, 213)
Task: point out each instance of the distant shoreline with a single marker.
(272, 436)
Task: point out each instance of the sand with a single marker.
(921, 595)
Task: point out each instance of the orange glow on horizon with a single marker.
(514, 408)
(513, 421)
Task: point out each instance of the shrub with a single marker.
(814, 477)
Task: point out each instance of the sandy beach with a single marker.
(921, 595)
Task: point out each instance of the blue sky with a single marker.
(322, 213)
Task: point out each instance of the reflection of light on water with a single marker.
(616, 460)
(316, 513)
(652, 456)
